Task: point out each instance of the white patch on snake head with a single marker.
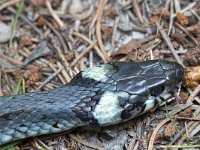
(149, 105)
(97, 73)
(108, 110)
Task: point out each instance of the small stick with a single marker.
(194, 93)
(84, 142)
(11, 60)
(54, 15)
(171, 18)
(42, 144)
(168, 42)
(151, 141)
(28, 22)
(97, 14)
(114, 32)
(137, 10)
(186, 8)
(189, 130)
(187, 33)
(195, 13)
(63, 72)
(185, 118)
(98, 34)
(177, 5)
(59, 75)
(61, 56)
(83, 53)
(49, 78)
(98, 51)
(62, 41)
(8, 4)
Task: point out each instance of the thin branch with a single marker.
(169, 44)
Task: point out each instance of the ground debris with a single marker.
(54, 40)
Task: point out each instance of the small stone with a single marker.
(5, 32)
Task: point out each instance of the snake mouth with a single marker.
(151, 103)
(167, 95)
(173, 93)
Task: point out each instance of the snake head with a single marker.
(145, 85)
(130, 89)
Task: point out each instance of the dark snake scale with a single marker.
(104, 95)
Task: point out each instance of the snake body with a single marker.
(102, 95)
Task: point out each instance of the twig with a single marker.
(137, 10)
(180, 108)
(136, 146)
(177, 5)
(54, 15)
(63, 72)
(151, 141)
(28, 22)
(195, 131)
(61, 56)
(97, 14)
(187, 33)
(8, 3)
(194, 93)
(171, 18)
(189, 130)
(42, 144)
(58, 35)
(195, 13)
(180, 146)
(82, 16)
(185, 118)
(186, 8)
(180, 133)
(98, 34)
(83, 53)
(84, 142)
(49, 79)
(98, 51)
(59, 75)
(114, 32)
(11, 60)
(150, 147)
(168, 42)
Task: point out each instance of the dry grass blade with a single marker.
(100, 7)
(54, 15)
(8, 3)
(98, 51)
(187, 33)
(83, 53)
(136, 9)
(49, 78)
(98, 33)
(194, 93)
(85, 143)
(169, 44)
(151, 141)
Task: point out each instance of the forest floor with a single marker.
(45, 43)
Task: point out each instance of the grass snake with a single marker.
(104, 95)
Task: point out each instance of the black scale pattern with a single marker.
(70, 106)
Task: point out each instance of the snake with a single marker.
(103, 95)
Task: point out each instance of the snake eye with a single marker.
(157, 90)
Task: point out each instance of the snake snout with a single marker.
(173, 71)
